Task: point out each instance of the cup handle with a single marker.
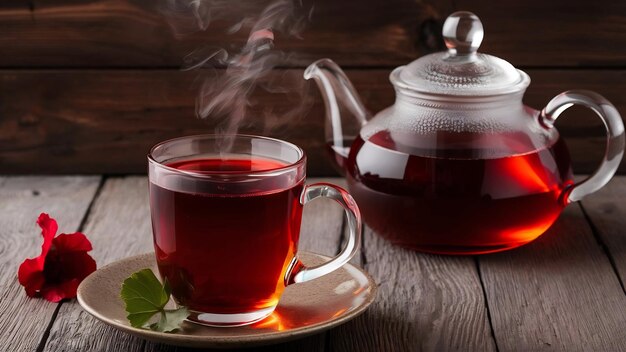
(614, 139)
(298, 272)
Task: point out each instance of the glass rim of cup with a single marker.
(203, 174)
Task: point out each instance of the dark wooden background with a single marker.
(88, 86)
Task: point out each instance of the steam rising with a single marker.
(227, 95)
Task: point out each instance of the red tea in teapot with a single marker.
(448, 201)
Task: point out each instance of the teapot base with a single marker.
(462, 250)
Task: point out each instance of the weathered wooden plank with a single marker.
(117, 33)
(74, 118)
(425, 303)
(86, 121)
(22, 199)
(555, 33)
(607, 212)
(119, 226)
(558, 293)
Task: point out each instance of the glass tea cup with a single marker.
(226, 224)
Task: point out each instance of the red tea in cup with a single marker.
(195, 231)
(226, 226)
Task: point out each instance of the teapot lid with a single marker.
(461, 71)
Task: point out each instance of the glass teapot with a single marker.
(458, 164)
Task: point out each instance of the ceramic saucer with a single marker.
(303, 310)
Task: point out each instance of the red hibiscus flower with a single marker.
(62, 265)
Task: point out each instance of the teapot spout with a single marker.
(340, 99)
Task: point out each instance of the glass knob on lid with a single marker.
(463, 33)
(461, 70)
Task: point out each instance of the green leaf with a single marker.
(170, 319)
(144, 297)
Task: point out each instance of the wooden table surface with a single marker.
(563, 292)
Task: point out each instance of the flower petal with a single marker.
(49, 229)
(74, 242)
(77, 265)
(59, 292)
(30, 275)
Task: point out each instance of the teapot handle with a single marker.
(614, 140)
